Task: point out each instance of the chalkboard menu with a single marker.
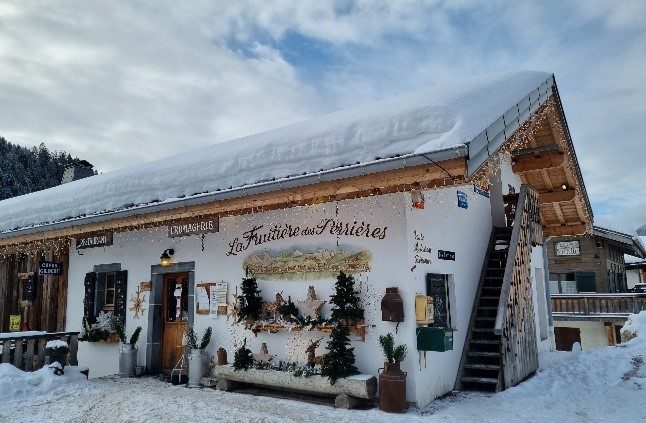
(436, 287)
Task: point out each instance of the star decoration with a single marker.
(311, 307)
(137, 301)
(263, 357)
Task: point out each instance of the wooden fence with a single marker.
(28, 352)
(597, 305)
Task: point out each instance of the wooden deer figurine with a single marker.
(312, 358)
(270, 310)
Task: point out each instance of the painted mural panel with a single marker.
(315, 262)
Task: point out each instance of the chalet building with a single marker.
(636, 274)
(591, 298)
(446, 195)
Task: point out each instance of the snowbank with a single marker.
(634, 327)
(56, 343)
(16, 384)
(439, 118)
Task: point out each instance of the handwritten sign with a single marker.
(202, 300)
(50, 268)
(197, 226)
(98, 240)
(14, 322)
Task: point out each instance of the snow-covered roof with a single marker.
(630, 244)
(438, 119)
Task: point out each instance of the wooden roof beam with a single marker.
(556, 196)
(539, 161)
(564, 230)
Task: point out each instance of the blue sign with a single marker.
(482, 189)
(463, 200)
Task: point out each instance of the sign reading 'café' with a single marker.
(198, 226)
(97, 240)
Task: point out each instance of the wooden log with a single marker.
(29, 355)
(6, 351)
(359, 386)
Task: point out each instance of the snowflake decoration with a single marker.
(137, 301)
(104, 321)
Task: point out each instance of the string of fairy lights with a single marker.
(369, 201)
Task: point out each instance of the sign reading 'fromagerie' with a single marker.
(198, 226)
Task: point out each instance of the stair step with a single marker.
(483, 354)
(489, 298)
(485, 380)
(482, 366)
(487, 308)
(485, 341)
(483, 330)
(485, 318)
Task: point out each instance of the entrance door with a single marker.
(175, 317)
(566, 337)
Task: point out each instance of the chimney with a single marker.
(78, 170)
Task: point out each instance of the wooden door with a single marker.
(566, 337)
(175, 318)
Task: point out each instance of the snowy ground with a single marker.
(607, 384)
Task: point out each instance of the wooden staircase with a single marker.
(482, 356)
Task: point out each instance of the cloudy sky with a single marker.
(121, 82)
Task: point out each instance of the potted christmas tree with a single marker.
(392, 381)
(197, 360)
(346, 304)
(128, 351)
(57, 351)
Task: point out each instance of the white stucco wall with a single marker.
(445, 226)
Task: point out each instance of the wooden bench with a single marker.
(348, 392)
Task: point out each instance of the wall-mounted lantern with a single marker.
(164, 260)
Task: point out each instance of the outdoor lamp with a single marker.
(164, 260)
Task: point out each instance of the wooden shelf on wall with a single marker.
(273, 327)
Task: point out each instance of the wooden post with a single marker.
(74, 346)
(6, 351)
(29, 355)
(41, 352)
(17, 354)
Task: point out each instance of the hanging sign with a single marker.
(482, 188)
(463, 200)
(103, 239)
(50, 268)
(446, 255)
(197, 226)
(14, 322)
(567, 248)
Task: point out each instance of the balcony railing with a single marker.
(596, 306)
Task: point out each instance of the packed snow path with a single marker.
(601, 385)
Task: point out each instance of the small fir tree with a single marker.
(243, 358)
(250, 301)
(339, 362)
(345, 302)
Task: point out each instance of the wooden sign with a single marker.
(145, 286)
(198, 226)
(203, 297)
(50, 268)
(446, 255)
(103, 239)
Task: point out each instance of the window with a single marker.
(108, 303)
(563, 283)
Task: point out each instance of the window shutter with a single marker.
(88, 302)
(99, 295)
(120, 293)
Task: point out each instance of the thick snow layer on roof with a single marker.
(429, 120)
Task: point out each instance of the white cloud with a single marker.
(121, 83)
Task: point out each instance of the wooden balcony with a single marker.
(27, 352)
(604, 307)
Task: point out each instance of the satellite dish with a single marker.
(641, 231)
